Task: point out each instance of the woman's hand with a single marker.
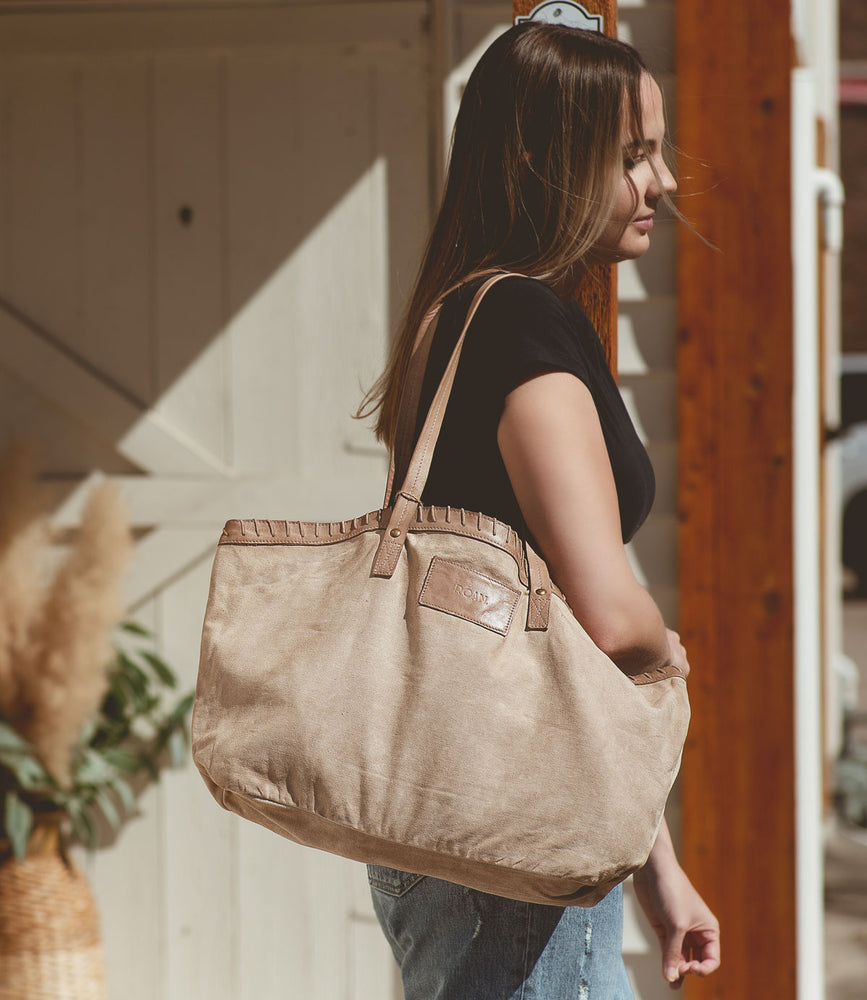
(677, 652)
(688, 932)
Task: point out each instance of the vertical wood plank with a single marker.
(735, 359)
(133, 936)
(373, 973)
(129, 870)
(114, 217)
(189, 294)
(43, 164)
(313, 257)
(400, 121)
(265, 223)
(372, 967)
(350, 245)
(294, 919)
(199, 872)
(275, 896)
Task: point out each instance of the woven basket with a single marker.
(50, 947)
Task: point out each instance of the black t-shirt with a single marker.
(521, 329)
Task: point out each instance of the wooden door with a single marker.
(210, 220)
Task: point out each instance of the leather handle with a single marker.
(400, 452)
(408, 498)
(539, 606)
(419, 465)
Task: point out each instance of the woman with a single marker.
(556, 166)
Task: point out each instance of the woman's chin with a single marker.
(616, 255)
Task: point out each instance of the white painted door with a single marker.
(208, 221)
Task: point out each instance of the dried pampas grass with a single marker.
(24, 535)
(71, 643)
(58, 632)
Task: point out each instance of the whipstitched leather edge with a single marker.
(660, 674)
(257, 531)
(456, 520)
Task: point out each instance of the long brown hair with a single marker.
(537, 154)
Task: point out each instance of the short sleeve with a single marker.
(522, 329)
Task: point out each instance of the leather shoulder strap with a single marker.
(401, 451)
(408, 497)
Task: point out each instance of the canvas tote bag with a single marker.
(408, 688)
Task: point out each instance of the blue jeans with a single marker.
(454, 943)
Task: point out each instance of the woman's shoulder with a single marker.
(525, 309)
(525, 293)
(516, 303)
(522, 328)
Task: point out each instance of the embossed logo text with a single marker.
(472, 595)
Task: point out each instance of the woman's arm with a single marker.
(687, 930)
(555, 455)
(554, 452)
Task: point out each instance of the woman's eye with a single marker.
(630, 162)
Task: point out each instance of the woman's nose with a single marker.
(666, 179)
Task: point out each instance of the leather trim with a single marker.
(256, 531)
(260, 531)
(455, 520)
(653, 676)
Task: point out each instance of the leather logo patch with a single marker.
(462, 592)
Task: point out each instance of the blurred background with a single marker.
(846, 857)
(211, 213)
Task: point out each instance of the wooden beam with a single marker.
(735, 362)
(142, 436)
(598, 292)
(195, 502)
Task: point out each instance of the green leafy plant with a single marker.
(140, 726)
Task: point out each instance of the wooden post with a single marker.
(735, 367)
(598, 291)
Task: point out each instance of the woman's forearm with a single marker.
(662, 857)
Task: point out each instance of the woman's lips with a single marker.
(645, 224)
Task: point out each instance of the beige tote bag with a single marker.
(409, 689)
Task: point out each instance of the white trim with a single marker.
(807, 518)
